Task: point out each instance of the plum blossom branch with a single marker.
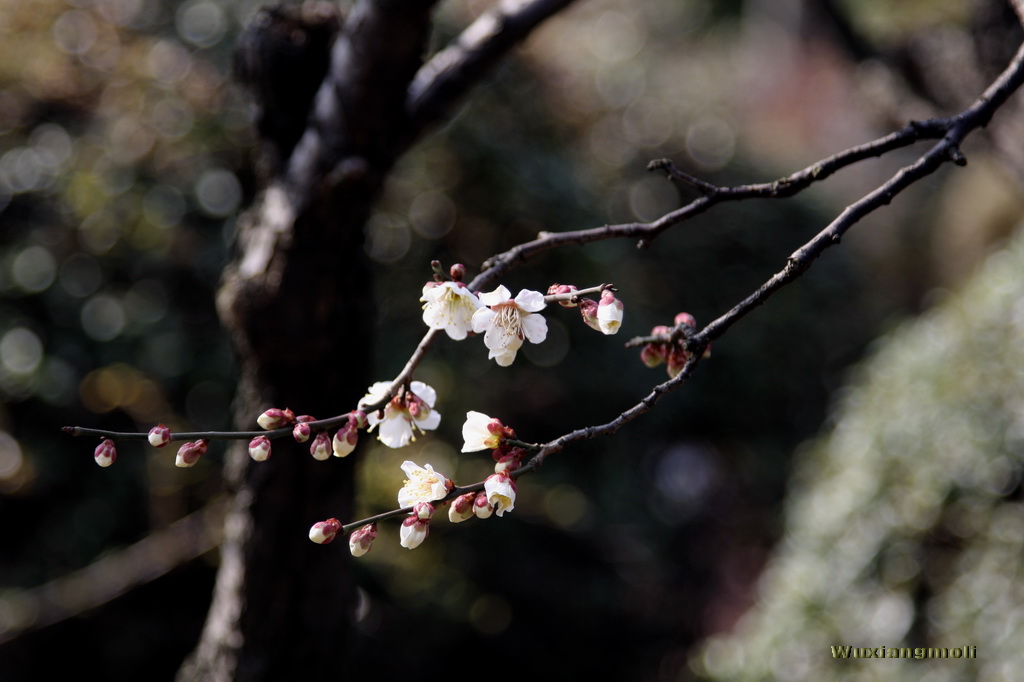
(952, 131)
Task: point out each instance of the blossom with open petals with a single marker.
(505, 322)
(422, 485)
(407, 412)
(449, 306)
(501, 492)
(481, 432)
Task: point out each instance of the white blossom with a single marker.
(404, 414)
(481, 432)
(422, 485)
(501, 492)
(507, 321)
(449, 306)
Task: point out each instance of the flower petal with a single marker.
(535, 327)
(499, 295)
(482, 319)
(430, 423)
(530, 301)
(424, 392)
(395, 432)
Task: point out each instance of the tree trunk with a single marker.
(297, 301)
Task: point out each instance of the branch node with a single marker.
(955, 155)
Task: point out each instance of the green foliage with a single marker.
(905, 526)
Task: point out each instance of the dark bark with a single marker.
(296, 299)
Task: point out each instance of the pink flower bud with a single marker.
(509, 462)
(361, 540)
(359, 417)
(189, 453)
(461, 508)
(105, 453)
(423, 510)
(588, 310)
(653, 354)
(458, 272)
(413, 532)
(556, 289)
(677, 359)
(275, 418)
(323, 532)
(259, 448)
(321, 447)
(159, 436)
(687, 319)
(344, 441)
(301, 432)
(481, 507)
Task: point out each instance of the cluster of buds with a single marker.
(497, 497)
(322, 445)
(672, 349)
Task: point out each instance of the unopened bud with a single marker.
(259, 448)
(159, 436)
(105, 453)
(461, 508)
(653, 354)
(275, 418)
(359, 417)
(413, 532)
(609, 313)
(588, 310)
(323, 532)
(556, 289)
(344, 441)
(687, 319)
(677, 359)
(423, 510)
(321, 447)
(189, 453)
(457, 271)
(481, 507)
(361, 540)
(509, 462)
(301, 432)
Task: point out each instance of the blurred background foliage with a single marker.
(125, 155)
